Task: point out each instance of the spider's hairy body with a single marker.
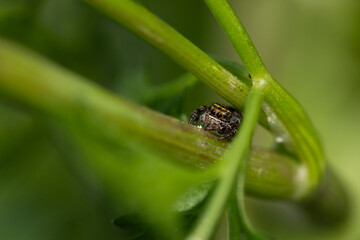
(223, 120)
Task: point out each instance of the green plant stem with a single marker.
(239, 228)
(155, 31)
(283, 111)
(67, 97)
(288, 121)
(238, 37)
(233, 161)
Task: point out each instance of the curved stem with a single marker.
(289, 122)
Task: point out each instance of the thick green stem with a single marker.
(66, 96)
(155, 31)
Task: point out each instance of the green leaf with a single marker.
(193, 197)
(136, 227)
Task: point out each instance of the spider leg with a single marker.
(196, 114)
(236, 119)
(228, 136)
(234, 125)
(212, 128)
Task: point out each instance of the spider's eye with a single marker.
(212, 112)
(219, 115)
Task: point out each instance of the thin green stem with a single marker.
(237, 223)
(288, 121)
(155, 31)
(239, 227)
(239, 37)
(233, 161)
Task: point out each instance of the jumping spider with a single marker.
(224, 121)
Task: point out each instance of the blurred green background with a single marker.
(311, 47)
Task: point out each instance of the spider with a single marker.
(225, 121)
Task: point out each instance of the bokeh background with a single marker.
(312, 47)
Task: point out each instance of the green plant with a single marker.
(123, 142)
